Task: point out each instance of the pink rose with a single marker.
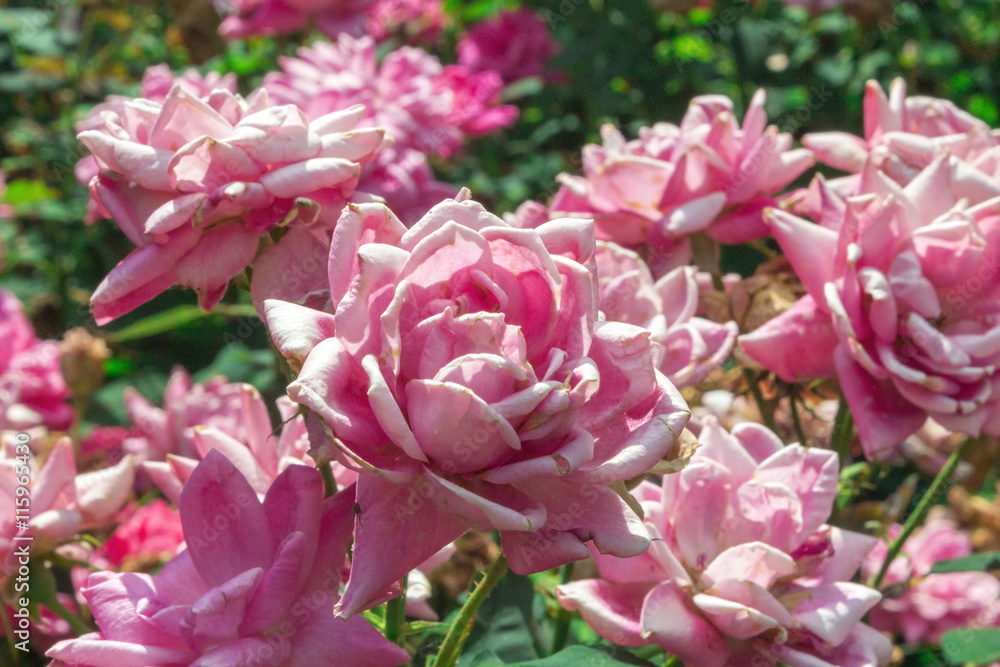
(689, 347)
(710, 174)
(903, 290)
(932, 604)
(903, 135)
(515, 44)
(32, 389)
(195, 183)
(255, 587)
(62, 502)
(743, 569)
(460, 367)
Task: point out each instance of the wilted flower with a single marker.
(707, 175)
(255, 587)
(932, 604)
(689, 347)
(515, 44)
(903, 135)
(32, 389)
(196, 182)
(903, 304)
(742, 569)
(81, 358)
(251, 18)
(461, 368)
(62, 502)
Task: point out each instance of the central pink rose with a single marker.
(460, 366)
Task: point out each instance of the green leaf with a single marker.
(168, 320)
(988, 560)
(577, 656)
(980, 646)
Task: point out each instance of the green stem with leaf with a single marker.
(924, 506)
(462, 626)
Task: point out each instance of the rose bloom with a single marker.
(146, 537)
(710, 174)
(689, 347)
(904, 134)
(255, 587)
(743, 569)
(32, 389)
(515, 44)
(461, 368)
(259, 452)
(63, 503)
(156, 84)
(196, 182)
(421, 103)
(157, 432)
(932, 604)
(903, 304)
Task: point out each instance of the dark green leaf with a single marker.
(581, 656)
(989, 560)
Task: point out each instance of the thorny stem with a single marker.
(462, 626)
(920, 512)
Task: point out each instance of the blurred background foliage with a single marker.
(625, 62)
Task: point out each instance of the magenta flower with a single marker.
(32, 389)
(689, 347)
(62, 502)
(147, 536)
(932, 604)
(195, 183)
(707, 175)
(903, 304)
(461, 368)
(515, 44)
(255, 587)
(253, 18)
(742, 569)
(903, 135)
(246, 438)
